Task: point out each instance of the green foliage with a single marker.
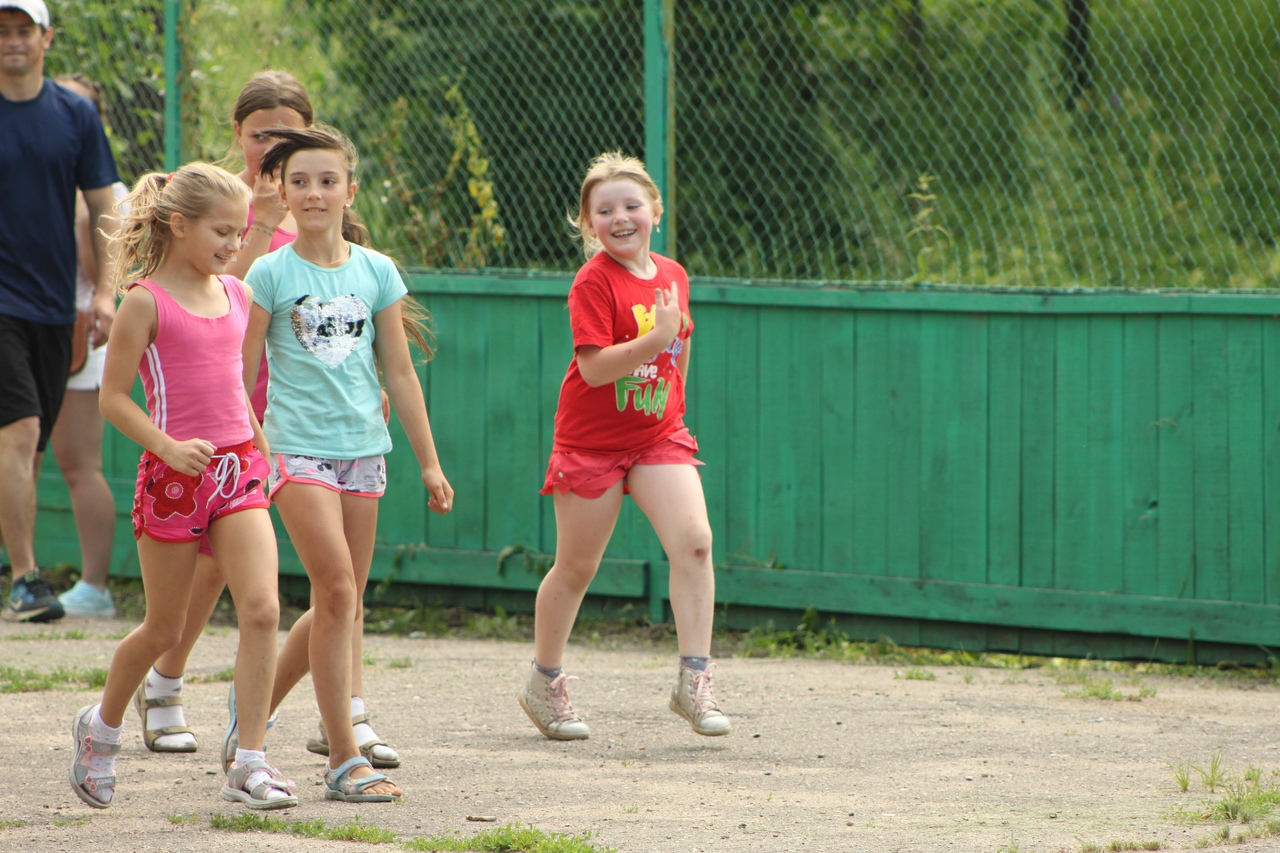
(120, 44)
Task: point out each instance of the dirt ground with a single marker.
(823, 756)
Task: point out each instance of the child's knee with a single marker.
(259, 616)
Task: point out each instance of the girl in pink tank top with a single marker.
(181, 325)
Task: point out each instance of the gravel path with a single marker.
(823, 757)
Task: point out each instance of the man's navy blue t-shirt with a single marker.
(49, 146)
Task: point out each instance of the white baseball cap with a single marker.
(35, 8)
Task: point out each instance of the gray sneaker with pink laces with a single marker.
(693, 700)
(546, 701)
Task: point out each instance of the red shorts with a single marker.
(590, 475)
(172, 507)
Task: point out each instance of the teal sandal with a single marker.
(338, 784)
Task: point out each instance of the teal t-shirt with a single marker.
(324, 398)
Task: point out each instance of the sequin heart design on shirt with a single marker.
(329, 329)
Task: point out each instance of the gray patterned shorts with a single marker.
(365, 476)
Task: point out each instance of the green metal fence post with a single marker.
(172, 92)
(659, 113)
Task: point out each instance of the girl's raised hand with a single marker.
(189, 457)
(666, 312)
(438, 487)
(269, 208)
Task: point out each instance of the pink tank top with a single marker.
(193, 373)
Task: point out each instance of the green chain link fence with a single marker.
(1030, 143)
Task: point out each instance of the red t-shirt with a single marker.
(608, 305)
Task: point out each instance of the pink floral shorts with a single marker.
(172, 507)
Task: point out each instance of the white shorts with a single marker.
(90, 379)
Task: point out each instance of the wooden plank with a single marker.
(1072, 486)
(1104, 566)
(780, 402)
(1246, 495)
(902, 491)
(555, 352)
(1140, 447)
(450, 567)
(1270, 461)
(1004, 451)
(868, 451)
(842, 365)
(1038, 419)
(1176, 429)
(940, 408)
(742, 492)
(708, 415)
(1211, 486)
(513, 461)
(969, 488)
(903, 469)
(990, 604)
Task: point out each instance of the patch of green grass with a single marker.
(183, 818)
(72, 634)
(1215, 773)
(1248, 805)
(1181, 771)
(916, 674)
(505, 839)
(222, 675)
(510, 839)
(353, 831)
(12, 824)
(405, 662)
(1105, 689)
(499, 626)
(1118, 846)
(14, 680)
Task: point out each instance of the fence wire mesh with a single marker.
(1034, 143)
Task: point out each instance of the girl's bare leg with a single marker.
(206, 589)
(246, 548)
(77, 443)
(167, 570)
(317, 518)
(583, 528)
(671, 498)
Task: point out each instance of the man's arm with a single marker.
(102, 222)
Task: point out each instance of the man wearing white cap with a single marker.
(51, 144)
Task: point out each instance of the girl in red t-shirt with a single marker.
(620, 429)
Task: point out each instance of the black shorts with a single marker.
(35, 361)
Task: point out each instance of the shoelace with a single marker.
(227, 474)
(702, 698)
(558, 697)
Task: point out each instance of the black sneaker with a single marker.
(32, 600)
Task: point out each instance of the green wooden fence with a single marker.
(1074, 473)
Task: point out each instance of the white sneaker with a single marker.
(692, 699)
(84, 599)
(546, 701)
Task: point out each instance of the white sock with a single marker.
(257, 777)
(101, 766)
(365, 733)
(161, 686)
